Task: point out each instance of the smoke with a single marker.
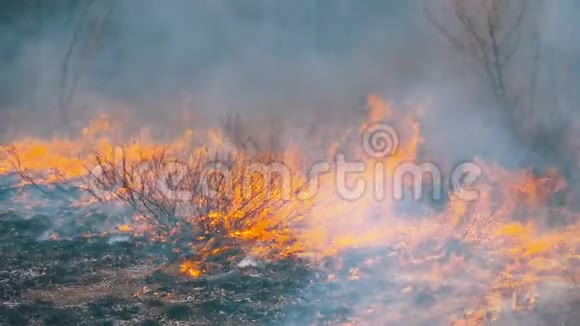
(289, 60)
(308, 64)
(296, 69)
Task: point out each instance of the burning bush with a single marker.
(219, 207)
(219, 200)
(216, 201)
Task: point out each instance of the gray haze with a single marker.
(307, 63)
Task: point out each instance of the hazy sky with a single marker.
(300, 60)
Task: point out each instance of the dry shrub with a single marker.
(215, 200)
(239, 197)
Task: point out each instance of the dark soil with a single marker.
(114, 279)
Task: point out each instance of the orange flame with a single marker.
(515, 239)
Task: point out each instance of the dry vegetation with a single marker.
(117, 223)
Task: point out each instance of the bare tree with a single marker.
(505, 38)
(92, 17)
(490, 33)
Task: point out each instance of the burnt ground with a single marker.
(113, 279)
(97, 281)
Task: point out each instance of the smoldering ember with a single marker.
(221, 162)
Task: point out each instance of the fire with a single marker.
(125, 228)
(509, 241)
(192, 269)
